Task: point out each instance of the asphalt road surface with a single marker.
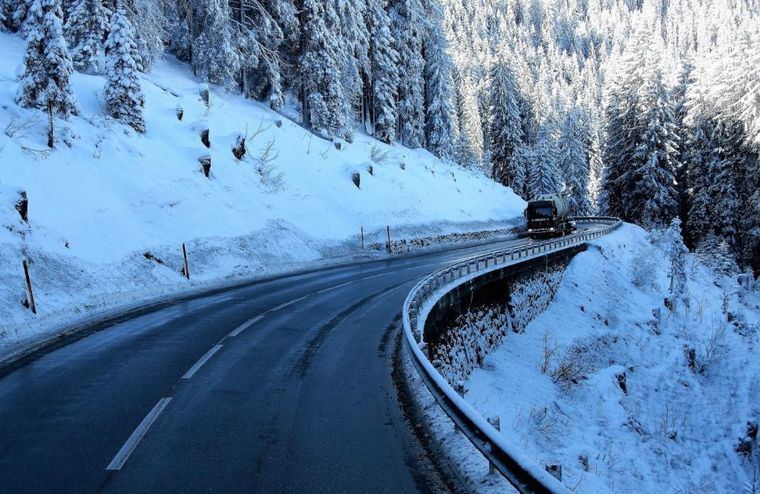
(280, 386)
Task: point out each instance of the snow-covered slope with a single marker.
(106, 196)
(624, 405)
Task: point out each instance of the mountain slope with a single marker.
(106, 197)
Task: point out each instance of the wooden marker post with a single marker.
(32, 305)
(187, 267)
(388, 231)
(362, 238)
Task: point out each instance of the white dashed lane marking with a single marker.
(245, 325)
(191, 372)
(123, 455)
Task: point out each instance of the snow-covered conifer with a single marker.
(408, 24)
(124, 98)
(544, 176)
(14, 12)
(320, 65)
(573, 161)
(716, 253)
(519, 164)
(439, 86)
(470, 140)
(506, 126)
(85, 31)
(384, 73)
(215, 57)
(45, 82)
(149, 38)
(652, 199)
(354, 33)
(676, 251)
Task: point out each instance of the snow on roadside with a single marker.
(109, 209)
(625, 405)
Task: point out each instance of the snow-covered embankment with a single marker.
(622, 400)
(109, 209)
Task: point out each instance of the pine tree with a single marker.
(745, 82)
(258, 34)
(652, 199)
(320, 68)
(715, 252)
(676, 251)
(44, 83)
(543, 175)
(408, 30)
(279, 61)
(521, 161)
(573, 162)
(384, 73)
(85, 31)
(619, 144)
(354, 34)
(124, 98)
(439, 132)
(14, 13)
(215, 57)
(680, 111)
(722, 186)
(149, 38)
(506, 126)
(698, 163)
(470, 136)
(179, 39)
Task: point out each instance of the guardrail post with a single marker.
(495, 421)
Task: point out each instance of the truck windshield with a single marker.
(540, 210)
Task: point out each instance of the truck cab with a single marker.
(547, 216)
(541, 215)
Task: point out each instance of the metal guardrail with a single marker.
(522, 472)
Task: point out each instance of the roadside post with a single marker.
(186, 270)
(31, 303)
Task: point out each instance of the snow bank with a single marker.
(109, 209)
(629, 403)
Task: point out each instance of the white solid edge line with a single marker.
(200, 362)
(123, 455)
(245, 325)
(325, 290)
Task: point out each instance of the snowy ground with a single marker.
(624, 405)
(106, 197)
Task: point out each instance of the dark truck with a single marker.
(547, 216)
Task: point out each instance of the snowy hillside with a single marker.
(107, 196)
(625, 403)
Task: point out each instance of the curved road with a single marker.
(280, 386)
